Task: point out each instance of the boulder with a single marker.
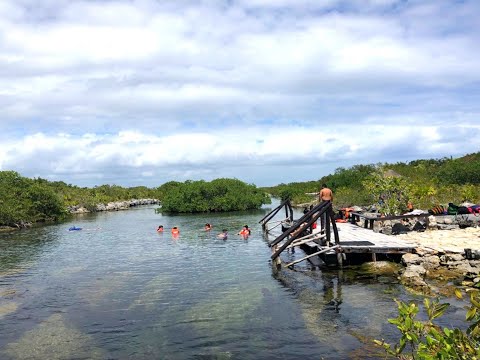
(449, 257)
(380, 268)
(413, 278)
(464, 268)
(411, 259)
(415, 270)
(421, 251)
(377, 226)
(431, 262)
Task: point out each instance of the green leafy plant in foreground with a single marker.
(427, 340)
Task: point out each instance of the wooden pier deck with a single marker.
(355, 239)
(357, 242)
(346, 241)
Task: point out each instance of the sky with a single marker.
(141, 92)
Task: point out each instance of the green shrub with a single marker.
(216, 196)
(427, 340)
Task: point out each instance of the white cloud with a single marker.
(156, 158)
(161, 84)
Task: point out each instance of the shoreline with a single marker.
(112, 206)
(78, 209)
(442, 256)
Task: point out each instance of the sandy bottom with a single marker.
(455, 240)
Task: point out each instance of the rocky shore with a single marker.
(113, 206)
(439, 222)
(442, 257)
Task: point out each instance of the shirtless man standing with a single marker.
(324, 194)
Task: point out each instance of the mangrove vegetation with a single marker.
(425, 182)
(25, 201)
(215, 196)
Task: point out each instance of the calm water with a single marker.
(119, 290)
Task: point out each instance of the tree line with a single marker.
(425, 182)
(24, 200)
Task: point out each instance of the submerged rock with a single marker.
(152, 292)
(381, 268)
(54, 339)
(7, 308)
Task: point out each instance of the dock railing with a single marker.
(288, 215)
(322, 209)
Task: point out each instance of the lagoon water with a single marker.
(119, 290)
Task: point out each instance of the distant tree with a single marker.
(218, 195)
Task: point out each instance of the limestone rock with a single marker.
(414, 270)
(381, 267)
(413, 278)
(451, 257)
(431, 262)
(411, 259)
(464, 268)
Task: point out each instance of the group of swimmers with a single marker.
(245, 232)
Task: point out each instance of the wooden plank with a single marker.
(309, 256)
(380, 242)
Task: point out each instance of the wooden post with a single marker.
(340, 259)
(277, 261)
(289, 204)
(327, 224)
(334, 226)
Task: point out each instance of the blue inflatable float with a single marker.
(74, 228)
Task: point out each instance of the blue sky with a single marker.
(141, 92)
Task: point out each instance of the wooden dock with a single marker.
(337, 242)
(356, 244)
(355, 239)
